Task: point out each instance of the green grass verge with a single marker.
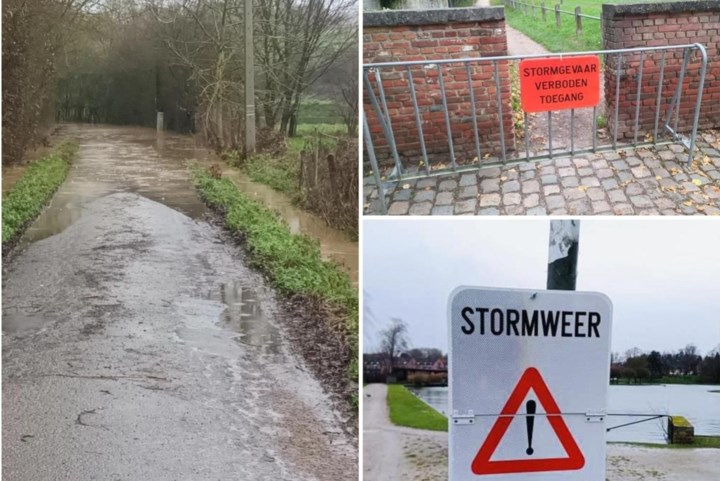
(407, 410)
(282, 173)
(292, 262)
(35, 189)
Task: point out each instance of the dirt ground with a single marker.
(402, 454)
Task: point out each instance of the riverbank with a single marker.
(406, 409)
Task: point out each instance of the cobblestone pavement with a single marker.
(643, 181)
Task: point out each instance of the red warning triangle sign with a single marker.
(531, 379)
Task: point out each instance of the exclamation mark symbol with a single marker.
(530, 421)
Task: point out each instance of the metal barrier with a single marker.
(482, 75)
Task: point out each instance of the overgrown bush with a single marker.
(329, 182)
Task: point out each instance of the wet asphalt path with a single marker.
(137, 345)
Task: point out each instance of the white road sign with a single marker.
(529, 373)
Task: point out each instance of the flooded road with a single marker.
(138, 345)
(136, 159)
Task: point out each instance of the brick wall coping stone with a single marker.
(393, 18)
(610, 10)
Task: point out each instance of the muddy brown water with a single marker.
(137, 344)
(135, 159)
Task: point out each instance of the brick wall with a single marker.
(431, 35)
(661, 24)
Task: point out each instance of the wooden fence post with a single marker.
(578, 22)
(557, 16)
(317, 156)
(542, 9)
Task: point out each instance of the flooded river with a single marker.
(138, 344)
(695, 402)
(139, 160)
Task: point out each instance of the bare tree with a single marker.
(349, 92)
(394, 340)
(299, 40)
(205, 36)
(33, 34)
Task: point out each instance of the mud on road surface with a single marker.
(138, 345)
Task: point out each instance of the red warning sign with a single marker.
(531, 379)
(559, 83)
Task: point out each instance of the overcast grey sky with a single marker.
(662, 275)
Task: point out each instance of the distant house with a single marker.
(406, 368)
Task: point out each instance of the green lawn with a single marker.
(561, 39)
(407, 410)
(34, 189)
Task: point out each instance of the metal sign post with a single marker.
(529, 377)
(563, 254)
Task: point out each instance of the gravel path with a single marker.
(521, 44)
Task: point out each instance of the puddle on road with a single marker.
(243, 314)
(136, 159)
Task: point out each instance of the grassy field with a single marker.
(561, 39)
(35, 189)
(306, 132)
(292, 262)
(407, 410)
(319, 112)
